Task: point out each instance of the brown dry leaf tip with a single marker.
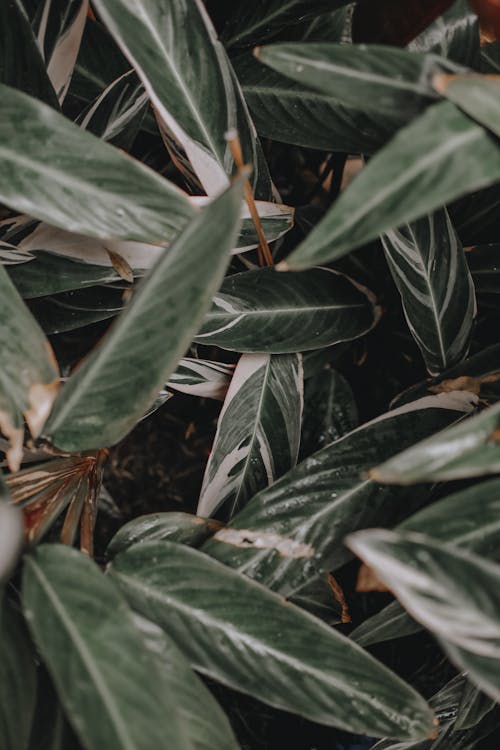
(256, 52)
(340, 598)
(15, 436)
(369, 581)
(282, 266)
(464, 383)
(41, 398)
(495, 436)
(121, 266)
(248, 538)
(441, 81)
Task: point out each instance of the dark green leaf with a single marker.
(455, 34)
(51, 274)
(241, 634)
(476, 95)
(182, 528)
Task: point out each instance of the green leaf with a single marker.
(250, 23)
(17, 679)
(201, 377)
(116, 115)
(21, 65)
(418, 170)
(51, 274)
(106, 194)
(465, 450)
(474, 706)
(266, 311)
(477, 95)
(383, 80)
(490, 58)
(204, 723)
(29, 378)
(142, 349)
(330, 411)
(97, 658)
(196, 104)
(239, 633)
(454, 34)
(11, 534)
(485, 268)
(428, 266)
(291, 112)
(433, 581)
(258, 432)
(310, 509)
(59, 26)
(182, 528)
(468, 519)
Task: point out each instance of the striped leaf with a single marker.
(477, 95)
(196, 104)
(258, 432)
(265, 311)
(201, 377)
(293, 531)
(59, 26)
(428, 265)
(106, 195)
(454, 34)
(241, 634)
(142, 349)
(361, 76)
(182, 528)
(433, 581)
(414, 174)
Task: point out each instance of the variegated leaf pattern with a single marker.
(258, 432)
(59, 26)
(429, 268)
(157, 38)
(201, 377)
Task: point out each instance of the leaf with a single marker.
(454, 34)
(17, 679)
(201, 377)
(490, 58)
(430, 145)
(312, 507)
(484, 265)
(477, 95)
(468, 519)
(21, 65)
(182, 528)
(330, 411)
(251, 23)
(265, 311)
(107, 194)
(204, 723)
(463, 450)
(428, 266)
(479, 374)
(154, 38)
(59, 27)
(142, 350)
(114, 678)
(360, 76)
(55, 315)
(474, 706)
(258, 432)
(29, 378)
(432, 582)
(320, 598)
(11, 535)
(116, 115)
(237, 632)
(291, 112)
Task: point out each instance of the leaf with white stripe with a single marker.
(142, 349)
(453, 593)
(292, 532)
(59, 26)
(243, 635)
(107, 194)
(266, 311)
(98, 660)
(197, 103)
(414, 174)
(429, 268)
(258, 433)
(201, 377)
(477, 95)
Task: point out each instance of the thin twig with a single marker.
(235, 146)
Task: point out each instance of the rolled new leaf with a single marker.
(119, 380)
(451, 592)
(293, 531)
(266, 311)
(419, 172)
(258, 432)
(241, 634)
